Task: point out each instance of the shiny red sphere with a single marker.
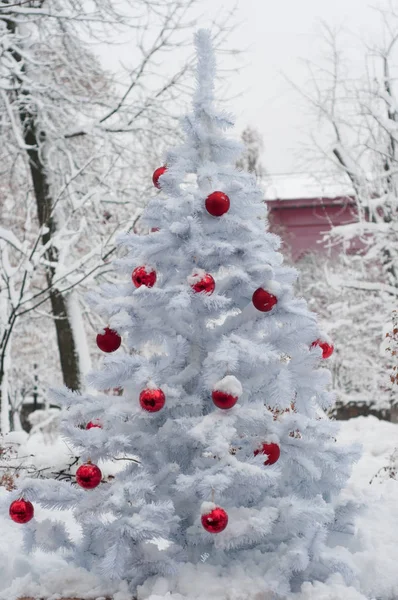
(141, 276)
(217, 204)
(272, 450)
(263, 300)
(109, 341)
(207, 285)
(156, 174)
(88, 476)
(215, 521)
(327, 349)
(152, 400)
(21, 511)
(223, 400)
(92, 424)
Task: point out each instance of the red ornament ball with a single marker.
(327, 349)
(88, 476)
(21, 511)
(152, 400)
(206, 284)
(217, 204)
(223, 399)
(215, 521)
(155, 229)
(109, 341)
(272, 450)
(141, 276)
(157, 174)
(263, 300)
(92, 424)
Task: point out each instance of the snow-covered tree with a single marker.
(390, 470)
(360, 361)
(392, 348)
(251, 156)
(355, 139)
(76, 144)
(220, 435)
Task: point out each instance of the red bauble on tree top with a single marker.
(152, 399)
(226, 392)
(200, 281)
(157, 174)
(109, 341)
(271, 449)
(263, 300)
(217, 204)
(326, 347)
(95, 423)
(214, 519)
(142, 276)
(21, 511)
(88, 476)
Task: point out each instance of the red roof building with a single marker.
(301, 211)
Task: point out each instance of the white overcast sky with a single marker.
(276, 35)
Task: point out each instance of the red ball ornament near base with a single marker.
(200, 281)
(21, 511)
(109, 341)
(272, 450)
(327, 349)
(157, 174)
(94, 423)
(263, 300)
(217, 204)
(226, 392)
(214, 519)
(88, 476)
(141, 276)
(152, 400)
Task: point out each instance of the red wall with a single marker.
(302, 222)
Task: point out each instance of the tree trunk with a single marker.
(66, 343)
(4, 406)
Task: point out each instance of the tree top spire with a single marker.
(205, 71)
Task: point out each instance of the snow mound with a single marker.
(334, 589)
(205, 582)
(70, 582)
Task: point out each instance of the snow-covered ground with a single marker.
(43, 575)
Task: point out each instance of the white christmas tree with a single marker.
(226, 449)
